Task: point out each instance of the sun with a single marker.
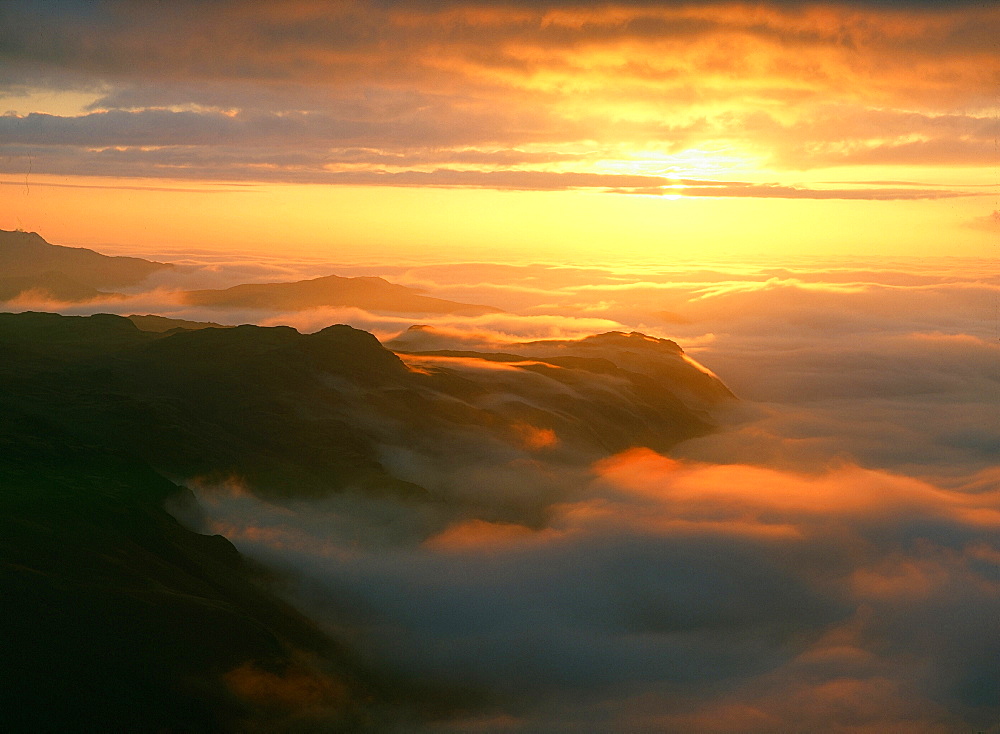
(692, 163)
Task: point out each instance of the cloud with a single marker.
(792, 192)
(504, 95)
(663, 591)
(829, 557)
(494, 170)
(988, 223)
(219, 163)
(767, 575)
(26, 184)
(481, 36)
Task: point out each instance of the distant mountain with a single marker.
(660, 359)
(26, 254)
(369, 293)
(30, 265)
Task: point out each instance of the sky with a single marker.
(565, 130)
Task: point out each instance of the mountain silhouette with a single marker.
(30, 266)
(369, 293)
(27, 255)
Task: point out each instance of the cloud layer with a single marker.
(628, 96)
(828, 560)
(666, 595)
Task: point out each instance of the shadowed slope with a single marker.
(116, 618)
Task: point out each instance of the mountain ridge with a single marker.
(31, 267)
(366, 292)
(286, 408)
(28, 254)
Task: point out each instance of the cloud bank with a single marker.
(828, 560)
(667, 594)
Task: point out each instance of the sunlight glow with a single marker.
(690, 163)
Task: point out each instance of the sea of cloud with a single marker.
(828, 560)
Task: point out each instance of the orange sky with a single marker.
(504, 129)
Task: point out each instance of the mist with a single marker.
(827, 559)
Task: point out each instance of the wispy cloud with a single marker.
(988, 223)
